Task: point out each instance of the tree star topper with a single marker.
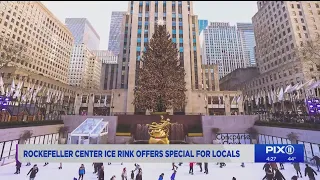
(160, 22)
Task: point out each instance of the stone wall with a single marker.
(14, 133)
(304, 135)
(226, 124)
(73, 121)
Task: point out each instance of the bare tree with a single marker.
(310, 51)
(12, 53)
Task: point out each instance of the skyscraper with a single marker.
(202, 25)
(223, 45)
(280, 28)
(83, 32)
(139, 26)
(117, 18)
(247, 34)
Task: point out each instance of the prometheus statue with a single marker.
(159, 132)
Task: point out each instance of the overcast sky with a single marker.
(99, 12)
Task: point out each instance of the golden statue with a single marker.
(159, 132)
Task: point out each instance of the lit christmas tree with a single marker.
(160, 84)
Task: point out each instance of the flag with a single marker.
(2, 86)
(280, 95)
(287, 88)
(239, 99)
(105, 100)
(269, 97)
(13, 88)
(219, 100)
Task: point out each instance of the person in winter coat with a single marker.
(268, 176)
(95, 168)
(281, 166)
(317, 161)
(60, 167)
(139, 175)
(297, 168)
(278, 175)
(234, 178)
(132, 175)
(124, 174)
(173, 176)
(99, 165)
(161, 176)
(33, 172)
(113, 177)
(274, 167)
(137, 167)
(191, 168)
(200, 165)
(266, 167)
(310, 172)
(101, 173)
(174, 167)
(206, 168)
(294, 178)
(18, 166)
(82, 172)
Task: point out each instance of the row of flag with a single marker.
(281, 94)
(15, 90)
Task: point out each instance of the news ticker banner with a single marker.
(161, 153)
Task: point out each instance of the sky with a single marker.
(99, 12)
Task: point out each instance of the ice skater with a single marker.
(113, 177)
(191, 168)
(278, 175)
(124, 174)
(161, 176)
(45, 164)
(200, 165)
(206, 168)
(28, 164)
(242, 165)
(317, 161)
(294, 178)
(18, 166)
(297, 168)
(137, 167)
(268, 176)
(132, 175)
(281, 166)
(266, 167)
(101, 173)
(174, 167)
(222, 164)
(33, 172)
(60, 167)
(274, 167)
(310, 172)
(173, 175)
(139, 175)
(82, 172)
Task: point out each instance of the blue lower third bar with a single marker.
(279, 153)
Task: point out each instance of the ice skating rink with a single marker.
(151, 171)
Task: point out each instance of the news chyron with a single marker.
(279, 153)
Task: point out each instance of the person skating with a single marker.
(174, 167)
(281, 166)
(109, 163)
(132, 175)
(278, 175)
(297, 168)
(310, 172)
(180, 163)
(137, 167)
(113, 177)
(28, 164)
(274, 167)
(101, 173)
(99, 165)
(222, 164)
(124, 174)
(18, 166)
(82, 172)
(95, 168)
(294, 178)
(139, 175)
(200, 165)
(173, 175)
(234, 178)
(268, 176)
(191, 168)
(60, 167)
(242, 165)
(161, 176)
(45, 164)
(206, 168)
(266, 167)
(317, 161)
(33, 172)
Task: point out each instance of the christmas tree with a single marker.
(160, 84)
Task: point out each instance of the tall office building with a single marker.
(83, 32)
(281, 27)
(109, 69)
(138, 29)
(117, 18)
(247, 34)
(202, 25)
(48, 40)
(223, 45)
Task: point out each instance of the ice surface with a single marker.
(150, 171)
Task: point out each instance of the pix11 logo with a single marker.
(288, 149)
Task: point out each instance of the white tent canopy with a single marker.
(89, 132)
